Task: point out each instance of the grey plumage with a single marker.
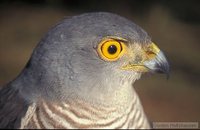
(66, 69)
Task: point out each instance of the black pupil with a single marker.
(112, 49)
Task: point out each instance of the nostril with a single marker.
(150, 54)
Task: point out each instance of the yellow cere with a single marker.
(111, 49)
(152, 50)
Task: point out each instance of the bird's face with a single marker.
(135, 57)
(94, 55)
(114, 61)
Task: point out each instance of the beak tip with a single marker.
(163, 68)
(167, 73)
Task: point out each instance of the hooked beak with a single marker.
(152, 59)
(158, 64)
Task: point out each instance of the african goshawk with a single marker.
(81, 74)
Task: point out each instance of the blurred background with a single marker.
(173, 25)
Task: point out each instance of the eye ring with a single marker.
(111, 49)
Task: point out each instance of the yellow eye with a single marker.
(111, 50)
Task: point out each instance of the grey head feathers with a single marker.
(65, 63)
